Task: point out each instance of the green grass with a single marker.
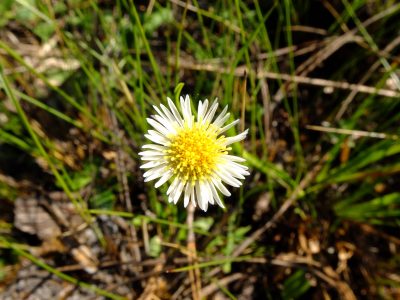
(95, 69)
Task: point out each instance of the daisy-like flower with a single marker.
(193, 153)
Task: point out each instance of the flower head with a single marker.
(192, 152)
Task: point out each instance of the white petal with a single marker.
(175, 111)
(164, 178)
(237, 175)
(205, 107)
(167, 124)
(233, 176)
(209, 197)
(220, 186)
(154, 147)
(186, 109)
(156, 133)
(202, 195)
(230, 125)
(169, 115)
(151, 153)
(189, 111)
(156, 138)
(150, 158)
(155, 170)
(233, 158)
(228, 178)
(199, 196)
(241, 168)
(178, 191)
(234, 170)
(173, 185)
(188, 192)
(199, 110)
(157, 126)
(215, 195)
(236, 138)
(202, 109)
(210, 114)
(222, 121)
(152, 164)
(153, 175)
(221, 116)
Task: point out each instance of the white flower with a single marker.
(193, 153)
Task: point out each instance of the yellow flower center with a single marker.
(194, 152)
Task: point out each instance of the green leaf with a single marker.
(366, 157)
(104, 200)
(178, 90)
(235, 237)
(6, 12)
(203, 223)
(270, 169)
(82, 178)
(295, 286)
(44, 31)
(376, 209)
(155, 246)
(157, 18)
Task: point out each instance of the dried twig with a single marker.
(308, 29)
(194, 274)
(356, 133)
(297, 50)
(267, 111)
(333, 45)
(213, 287)
(239, 71)
(345, 104)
